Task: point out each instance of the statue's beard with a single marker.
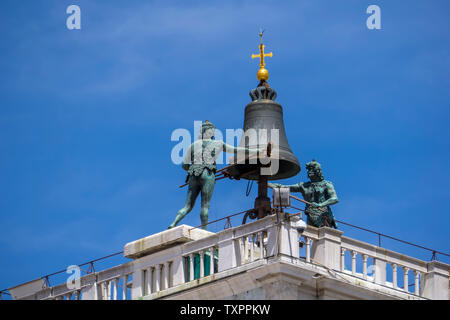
(315, 177)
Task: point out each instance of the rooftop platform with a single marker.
(265, 259)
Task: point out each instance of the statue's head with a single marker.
(207, 131)
(314, 171)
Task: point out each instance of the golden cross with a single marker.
(261, 54)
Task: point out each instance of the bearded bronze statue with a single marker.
(319, 193)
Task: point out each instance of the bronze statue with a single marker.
(200, 164)
(320, 193)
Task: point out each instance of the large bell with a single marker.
(264, 122)
(264, 113)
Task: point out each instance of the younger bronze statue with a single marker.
(200, 164)
(320, 193)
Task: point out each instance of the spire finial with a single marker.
(263, 74)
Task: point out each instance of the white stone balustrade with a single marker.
(330, 247)
(103, 285)
(184, 257)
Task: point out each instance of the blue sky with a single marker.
(86, 116)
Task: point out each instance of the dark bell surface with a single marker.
(266, 114)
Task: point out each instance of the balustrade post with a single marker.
(115, 287)
(102, 291)
(416, 282)
(191, 267)
(241, 248)
(211, 261)
(405, 279)
(143, 285)
(97, 291)
(166, 276)
(202, 263)
(158, 278)
(149, 280)
(394, 276)
(252, 247)
(108, 290)
(246, 259)
(308, 249)
(364, 257)
(343, 259)
(354, 262)
(124, 287)
(261, 244)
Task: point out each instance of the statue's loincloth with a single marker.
(318, 218)
(196, 170)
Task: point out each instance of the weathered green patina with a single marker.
(200, 164)
(320, 193)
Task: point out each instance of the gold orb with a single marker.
(262, 74)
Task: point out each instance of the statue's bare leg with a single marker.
(193, 191)
(208, 181)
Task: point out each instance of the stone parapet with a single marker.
(258, 260)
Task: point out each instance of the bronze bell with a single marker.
(262, 115)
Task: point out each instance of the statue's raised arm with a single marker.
(240, 152)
